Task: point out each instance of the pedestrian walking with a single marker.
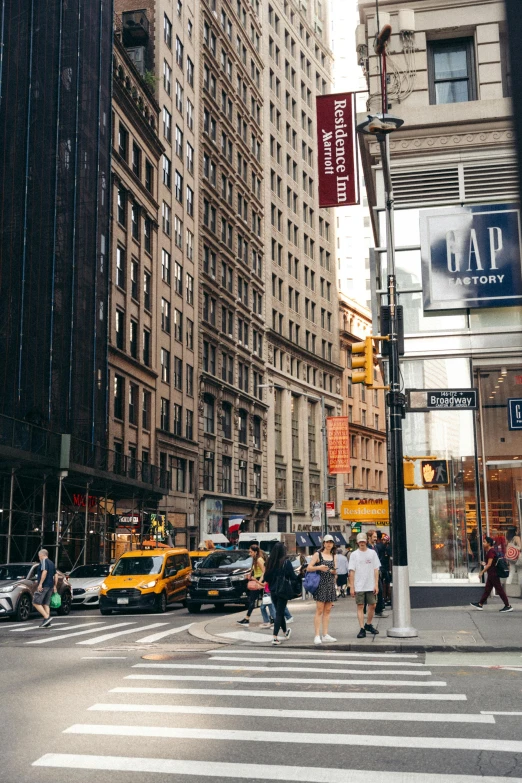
(282, 581)
(46, 580)
(342, 573)
(256, 578)
(324, 561)
(364, 569)
(383, 553)
(493, 579)
(268, 611)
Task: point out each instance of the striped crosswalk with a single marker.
(204, 725)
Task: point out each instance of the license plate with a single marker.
(213, 592)
(122, 600)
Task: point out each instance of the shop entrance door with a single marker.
(500, 453)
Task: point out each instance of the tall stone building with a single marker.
(301, 280)
(161, 38)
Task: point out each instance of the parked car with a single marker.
(85, 581)
(18, 582)
(146, 579)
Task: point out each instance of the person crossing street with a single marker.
(46, 578)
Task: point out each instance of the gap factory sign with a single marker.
(471, 257)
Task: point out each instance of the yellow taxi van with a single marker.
(146, 579)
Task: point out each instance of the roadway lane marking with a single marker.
(103, 657)
(206, 667)
(318, 660)
(495, 712)
(332, 654)
(104, 637)
(249, 772)
(416, 717)
(301, 738)
(296, 694)
(64, 626)
(293, 680)
(76, 633)
(156, 636)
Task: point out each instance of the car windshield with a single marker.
(196, 560)
(137, 566)
(236, 559)
(90, 571)
(15, 571)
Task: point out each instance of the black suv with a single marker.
(222, 579)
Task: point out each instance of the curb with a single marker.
(198, 630)
(390, 648)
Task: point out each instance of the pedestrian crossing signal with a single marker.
(434, 472)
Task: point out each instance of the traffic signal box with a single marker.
(363, 358)
(434, 472)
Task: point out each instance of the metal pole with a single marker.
(86, 524)
(61, 475)
(325, 464)
(10, 522)
(401, 588)
(44, 497)
(484, 460)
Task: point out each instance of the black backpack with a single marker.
(502, 566)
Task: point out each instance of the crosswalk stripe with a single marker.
(330, 653)
(34, 626)
(206, 667)
(63, 626)
(47, 639)
(302, 738)
(316, 661)
(292, 680)
(106, 636)
(415, 717)
(295, 694)
(161, 635)
(249, 772)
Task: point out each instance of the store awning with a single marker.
(317, 538)
(339, 539)
(303, 539)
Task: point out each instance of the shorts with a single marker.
(43, 598)
(369, 595)
(342, 580)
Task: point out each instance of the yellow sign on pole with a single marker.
(366, 510)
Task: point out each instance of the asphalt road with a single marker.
(88, 714)
(84, 628)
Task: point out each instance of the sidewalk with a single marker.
(444, 629)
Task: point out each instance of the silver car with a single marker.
(17, 585)
(85, 582)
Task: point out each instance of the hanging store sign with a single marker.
(338, 444)
(471, 257)
(515, 413)
(365, 510)
(337, 150)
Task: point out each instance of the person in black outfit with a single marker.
(383, 553)
(46, 580)
(277, 568)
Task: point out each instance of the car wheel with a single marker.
(194, 608)
(65, 608)
(160, 607)
(23, 608)
(105, 611)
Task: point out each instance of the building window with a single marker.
(122, 207)
(146, 291)
(257, 481)
(167, 31)
(165, 315)
(167, 172)
(190, 380)
(226, 475)
(208, 414)
(167, 124)
(167, 77)
(133, 339)
(242, 477)
(118, 396)
(178, 373)
(123, 142)
(179, 53)
(297, 489)
(177, 469)
(135, 270)
(133, 403)
(145, 410)
(135, 222)
(189, 334)
(136, 160)
(257, 432)
(451, 71)
(164, 415)
(177, 420)
(178, 325)
(242, 422)
(165, 266)
(120, 267)
(147, 234)
(165, 365)
(226, 420)
(208, 471)
(149, 176)
(166, 218)
(146, 347)
(120, 329)
(189, 424)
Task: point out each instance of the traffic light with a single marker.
(362, 357)
(409, 474)
(434, 472)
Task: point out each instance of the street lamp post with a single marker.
(381, 126)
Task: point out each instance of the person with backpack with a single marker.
(495, 567)
(283, 585)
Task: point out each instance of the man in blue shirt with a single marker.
(45, 586)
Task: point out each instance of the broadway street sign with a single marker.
(420, 400)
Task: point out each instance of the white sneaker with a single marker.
(328, 638)
(290, 620)
(265, 625)
(317, 640)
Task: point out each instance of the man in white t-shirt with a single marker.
(364, 583)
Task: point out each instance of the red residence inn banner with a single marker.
(338, 444)
(336, 150)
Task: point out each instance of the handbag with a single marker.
(512, 553)
(311, 581)
(253, 585)
(56, 601)
(267, 599)
(286, 586)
